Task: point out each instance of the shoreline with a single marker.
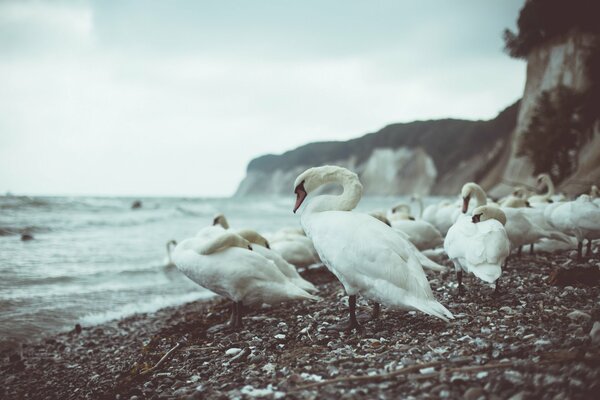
(533, 340)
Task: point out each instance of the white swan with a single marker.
(400, 211)
(521, 230)
(363, 253)
(425, 261)
(442, 215)
(169, 261)
(262, 247)
(420, 233)
(226, 265)
(478, 244)
(549, 196)
(580, 218)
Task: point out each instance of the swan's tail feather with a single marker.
(304, 284)
(435, 309)
(487, 272)
(297, 292)
(391, 295)
(559, 236)
(430, 264)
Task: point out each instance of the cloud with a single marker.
(161, 98)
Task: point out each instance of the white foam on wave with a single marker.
(149, 305)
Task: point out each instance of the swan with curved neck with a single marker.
(366, 256)
(543, 180)
(170, 245)
(222, 262)
(419, 201)
(469, 190)
(220, 219)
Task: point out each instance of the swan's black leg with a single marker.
(376, 311)
(459, 276)
(588, 250)
(352, 322)
(531, 248)
(579, 250)
(229, 324)
(497, 289)
(239, 313)
(520, 250)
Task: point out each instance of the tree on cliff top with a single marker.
(543, 20)
(555, 133)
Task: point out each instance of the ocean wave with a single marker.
(17, 231)
(148, 305)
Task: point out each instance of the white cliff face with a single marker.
(387, 171)
(400, 171)
(559, 62)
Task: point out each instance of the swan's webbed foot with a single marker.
(373, 316)
(352, 322)
(235, 320)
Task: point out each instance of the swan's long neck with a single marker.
(479, 196)
(344, 202)
(550, 186)
(222, 242)
(419, 200)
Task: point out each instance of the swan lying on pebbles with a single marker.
(295, 248)
(225, 264)
(363, 253)
(478, 244)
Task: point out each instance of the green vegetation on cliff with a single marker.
(447, 141)
(543, 20)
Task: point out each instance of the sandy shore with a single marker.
(531, 341)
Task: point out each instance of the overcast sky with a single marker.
(176, 97)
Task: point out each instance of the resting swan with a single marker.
(262, 247)
(225, 264)
(478, 244)
(363, 253)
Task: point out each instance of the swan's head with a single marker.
(594, 192)
(467, 191)
(220, 219)
(171, 243)
(314, 177)
(519, 191)
(254, 237)
(483, 213)
(402, 207)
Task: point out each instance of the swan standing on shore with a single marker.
(478, 244)
(226, 265)
(363, 253)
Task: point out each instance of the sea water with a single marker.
(95, 259)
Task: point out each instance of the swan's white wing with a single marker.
(361, 250)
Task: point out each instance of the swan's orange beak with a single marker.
(465, 206)
(300, 196)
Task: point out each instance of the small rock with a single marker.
(280, 336)
(578, 315)
(506, 309)
(518, 396)
(233, 351)
(473, 393)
